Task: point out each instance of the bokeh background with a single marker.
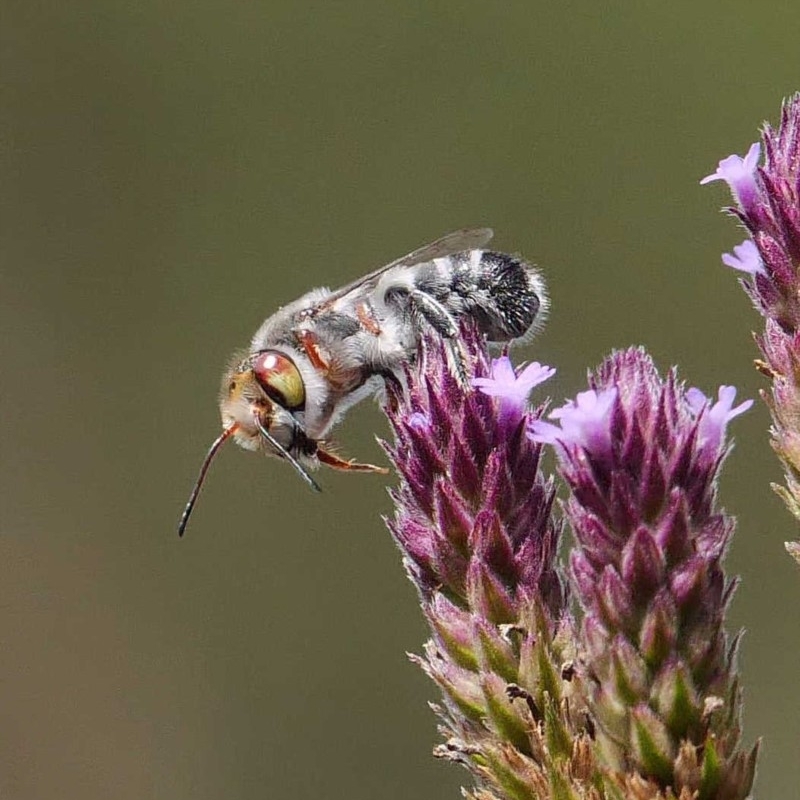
(171, 173)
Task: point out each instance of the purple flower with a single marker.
(640, 455)
(714, 419)
(419, 421)
(470, 479)
(769, 207)
(740, 175)
(473, 521)
(512, 388)
(505, 382)
(745, 258)
(585, 422)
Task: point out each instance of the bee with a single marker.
(316, 357)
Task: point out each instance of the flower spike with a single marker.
(768, 203)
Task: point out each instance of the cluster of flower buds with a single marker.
(641, 699)
(767, 200)
(473, 520)
(640, 455)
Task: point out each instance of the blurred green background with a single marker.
(171, 173)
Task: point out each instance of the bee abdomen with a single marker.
(504, 294)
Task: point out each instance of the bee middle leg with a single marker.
(394, 389)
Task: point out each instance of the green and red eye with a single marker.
(280, 379)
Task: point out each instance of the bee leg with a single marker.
(457, 360)
(434, 313)
(366, 316)
(393, 389)
(308, 341)
(442, 321)
(349, 465)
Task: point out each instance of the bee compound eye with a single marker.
(280, 379)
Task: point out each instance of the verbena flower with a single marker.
(714, 418)
(584, 422)
(768, 204)
(745, 258)
(643, 701)
(513, 384)
(473, 520)
(740, 174)
(641, 457)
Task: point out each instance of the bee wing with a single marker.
(455, 242)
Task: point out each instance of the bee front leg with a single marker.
(349, 465)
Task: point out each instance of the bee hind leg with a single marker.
(443, 322)
(457, 362)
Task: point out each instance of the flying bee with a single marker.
(316, 357)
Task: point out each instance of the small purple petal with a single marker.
(536, 373)
(419, 421)
(507, 384)
(723, 411)
(753, 154)
(585, 422)
(714, 419)
(745, 258)
(696, 400)
(502, 370)
(740, 175)
(545, 432)
(735, 168)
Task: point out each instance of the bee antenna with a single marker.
(301, 470)
(212, 451)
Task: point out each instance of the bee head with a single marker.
(264, 390)
(259, 398)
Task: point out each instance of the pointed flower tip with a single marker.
(584, 421)
(506, 383)
(745, 258)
